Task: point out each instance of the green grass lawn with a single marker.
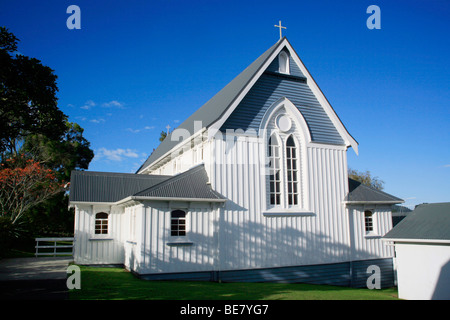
(118, 284)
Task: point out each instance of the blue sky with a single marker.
(135, 67)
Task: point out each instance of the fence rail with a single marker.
(52, 246)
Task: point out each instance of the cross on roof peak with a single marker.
(280, 27)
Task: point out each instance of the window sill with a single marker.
(101, 239)
(372, 236)
(288, 213)
(179, 243)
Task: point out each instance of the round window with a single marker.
(283, 122)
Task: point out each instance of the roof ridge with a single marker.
(375, 190)
(172, 179)
(106, 173)
(372, 189)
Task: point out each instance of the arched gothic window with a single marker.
(292, 171)
(283, 177)
(274, 171)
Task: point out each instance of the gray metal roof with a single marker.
(111, 187)
(426, 222)
(212, 110)
(192, 184)
(89, 186)
(360, 193)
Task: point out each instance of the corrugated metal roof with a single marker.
(90, 186)
(426, 222)
(360, 193)
(192, 184)
(111, 187)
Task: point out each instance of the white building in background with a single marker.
(422, 246)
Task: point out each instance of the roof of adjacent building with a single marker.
(109, 187)
(426, 222)
(360, 193)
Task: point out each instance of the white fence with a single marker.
(53, 246)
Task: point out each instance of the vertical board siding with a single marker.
(368, 246)
(159, 251)
(91, 249)
(251, 240)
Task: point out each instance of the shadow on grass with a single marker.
(117, 284)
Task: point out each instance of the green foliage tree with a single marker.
(28, 103)
(33, 128)
(366, 178)
(162, 136)
(69, 153)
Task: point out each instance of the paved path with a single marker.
(33, 278)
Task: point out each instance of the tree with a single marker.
(28, 103)
(162, 136)
(25, 183)
(366, 178)
(38, 146)
(64, 155)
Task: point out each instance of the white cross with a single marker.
(281, 27)
(168, 127)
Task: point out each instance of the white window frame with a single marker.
(274, 122)
(371, 220)
(178, 219)
(275, 171)
(282, 158)
(292, 171)
(283, 59)
(102, 224)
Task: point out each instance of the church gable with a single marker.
(277, 82)
(277, 73)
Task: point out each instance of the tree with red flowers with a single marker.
(25, 183)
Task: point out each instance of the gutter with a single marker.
(141, 198)
(405, 240)
(374, 202)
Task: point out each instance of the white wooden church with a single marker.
(253, 186)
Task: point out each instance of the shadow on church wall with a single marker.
(273, 253)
